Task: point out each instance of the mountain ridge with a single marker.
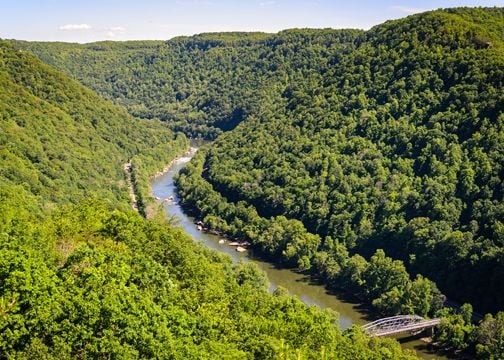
(334, 144)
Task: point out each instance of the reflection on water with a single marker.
(351, 312)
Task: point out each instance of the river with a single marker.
(350, 310)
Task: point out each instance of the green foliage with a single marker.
(377, 348)
(247, 274)
(382, 281)
(81, 278)
(456, 329)
(342, 143)
(398, 147)
(390, 139)
(112, 284)
(60, 142)
(201, 85)
(490, 337)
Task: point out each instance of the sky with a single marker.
(94, 20)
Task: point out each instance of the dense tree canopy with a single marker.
(202, 85)
(373, 159)
(396, 145)
(81, 276)
(59, 140)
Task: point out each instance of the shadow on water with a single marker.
(362, 308)
(425, 349)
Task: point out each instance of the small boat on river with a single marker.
(242, 244)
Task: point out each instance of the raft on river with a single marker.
(239, 243)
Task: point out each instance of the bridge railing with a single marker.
(400, 323)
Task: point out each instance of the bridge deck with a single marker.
(399, 324)
(408, 328)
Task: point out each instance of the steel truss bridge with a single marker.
(400, 324)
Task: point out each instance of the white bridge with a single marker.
(400, 324)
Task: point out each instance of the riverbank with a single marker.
(151, 208)
(189, 153)
(353, 311)
(141, 167)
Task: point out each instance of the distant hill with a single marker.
(202, 85)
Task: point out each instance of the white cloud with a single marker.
(112, 31)
(267, 3)
(108, 31)
(72, 27)
(117, 28)
(408, 9)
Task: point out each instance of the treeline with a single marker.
(81, 278)
(149, 162)
(201, 85)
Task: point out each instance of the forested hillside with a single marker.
(394, 145)
(372, 159)
(390, 138)
(59, 141)
(201, 85)
(81, 276)
(398, 147)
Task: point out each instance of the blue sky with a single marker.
(92, 20)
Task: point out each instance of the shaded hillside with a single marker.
(202, 85)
